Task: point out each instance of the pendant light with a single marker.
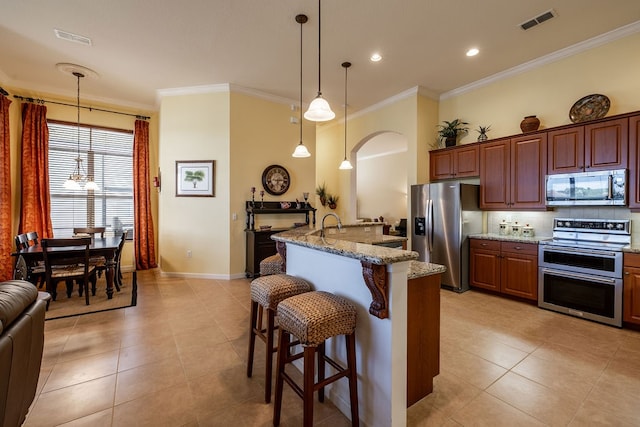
(301, 151)
(319, 109)
(346, 164)
(78, 175)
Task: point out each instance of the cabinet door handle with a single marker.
(483, 244)
(517, 248)
(626, 273)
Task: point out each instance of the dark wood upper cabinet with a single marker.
(456, 162)
(634, 162)
(598, 146)
(512, 173)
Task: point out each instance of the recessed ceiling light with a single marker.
(472, 52)
(376, 57)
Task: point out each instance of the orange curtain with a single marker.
(145, 251)
(34, 211)
(6, 238)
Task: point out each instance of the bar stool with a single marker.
(312, 318)
(272, 265)
(266, 293)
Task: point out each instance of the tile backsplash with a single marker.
(542, 222)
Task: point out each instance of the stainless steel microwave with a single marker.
(598, 188)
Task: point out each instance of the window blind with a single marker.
(107, 154)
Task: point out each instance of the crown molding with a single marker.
(558, 55)
(223, 87)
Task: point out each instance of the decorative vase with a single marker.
(482, 137)
(530, 124)
(333, 205)
(450, 141)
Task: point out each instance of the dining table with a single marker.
(100, 246)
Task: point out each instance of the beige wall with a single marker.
(549, 91)
(194, 127)
(262, 135)
(69, 114)
(382, 187)
(411, 116)
(243, 134)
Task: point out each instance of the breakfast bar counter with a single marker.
(397, 332)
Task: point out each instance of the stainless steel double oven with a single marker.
(580, 269)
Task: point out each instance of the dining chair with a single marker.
(32, 238)
(67, 260)
(115, 264)
(92, 231)
(36, 272)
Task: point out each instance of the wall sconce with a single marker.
(156, 181)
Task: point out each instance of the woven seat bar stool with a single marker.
(271, 265)
(312, 318)
(266, 293)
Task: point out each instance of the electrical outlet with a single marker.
(234, 216)
(332, 231)
(367, 229)
(188, 253)
(342, 231)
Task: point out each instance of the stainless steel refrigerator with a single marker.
(443, 215)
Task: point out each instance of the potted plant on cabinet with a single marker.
(321, 191)
(482, 132)
(332, 201)
(449, 131)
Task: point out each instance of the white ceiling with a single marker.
(143, 46)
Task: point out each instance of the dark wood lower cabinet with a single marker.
(259, 246)
(631, 292)
(506, 267)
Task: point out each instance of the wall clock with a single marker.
(275, 180)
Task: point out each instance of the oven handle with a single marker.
(561, 249)
(579, 276)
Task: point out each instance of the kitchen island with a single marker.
(392, 292)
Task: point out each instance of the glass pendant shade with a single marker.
(301, 151)
(91, 185)
(319, 110)
(346, 164)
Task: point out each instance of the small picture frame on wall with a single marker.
(195, 178)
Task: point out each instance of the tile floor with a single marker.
(178, 359)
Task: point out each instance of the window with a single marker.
(105, 153)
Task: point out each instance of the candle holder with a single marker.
(253, 197)
(261, 199)
(306, 197)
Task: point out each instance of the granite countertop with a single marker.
(420, 269)
(632, 248)
(510, 238)
(306, 236)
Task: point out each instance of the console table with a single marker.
(257, 208)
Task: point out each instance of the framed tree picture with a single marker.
(195, 178)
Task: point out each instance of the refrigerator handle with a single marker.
(429, 225)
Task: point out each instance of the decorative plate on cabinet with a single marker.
(590, 107)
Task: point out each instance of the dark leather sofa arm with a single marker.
(21, 345)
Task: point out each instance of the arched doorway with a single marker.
(381, 177)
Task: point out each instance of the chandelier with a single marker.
(78, 176)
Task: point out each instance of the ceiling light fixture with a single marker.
(78, 175)
(376, 57)
(346, 164)
(473, 51)
(319, 109)
(301, 151)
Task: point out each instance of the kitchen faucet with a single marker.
(324, 217)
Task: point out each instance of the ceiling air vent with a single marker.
(538, 19)
(64, 35)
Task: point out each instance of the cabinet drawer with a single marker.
(631, 260)
(521, 248)
(493, 245)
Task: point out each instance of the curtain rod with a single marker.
(42, 101)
